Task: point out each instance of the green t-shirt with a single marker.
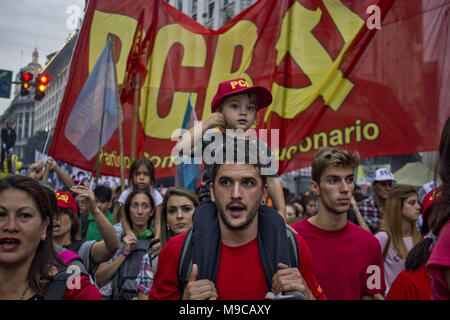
(92, 230)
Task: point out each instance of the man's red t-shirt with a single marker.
(411, 285)
(347, 262)
(240, 275)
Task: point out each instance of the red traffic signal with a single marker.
(43, 79)
(25, 79)
(41, 85)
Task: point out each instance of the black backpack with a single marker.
(58, 285)
(185, 263)
(124, 281)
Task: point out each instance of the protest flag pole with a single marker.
(135, 116)
(119, 119)
(99, 159)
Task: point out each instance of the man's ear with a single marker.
(314, 186)
(211, 191)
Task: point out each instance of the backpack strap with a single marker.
(153, 254)
(293, 249)
(185, 263)
(57, 286)
(154, 262)
(294, 253)
(75, 246)
(152, 243)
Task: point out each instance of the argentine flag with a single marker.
(98, 96)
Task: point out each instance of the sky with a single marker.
(29, 24)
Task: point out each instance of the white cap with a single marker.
(383, 174)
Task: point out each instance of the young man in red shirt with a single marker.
(237, 189)
(347, 259)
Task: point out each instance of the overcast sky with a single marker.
(29, 24)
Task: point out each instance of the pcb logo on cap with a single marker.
(230, 87)
(65, 200)
(429, 200)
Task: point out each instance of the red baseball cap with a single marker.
(65, 200)
(230, 87)
(430, 199)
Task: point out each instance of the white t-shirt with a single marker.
(154, 193)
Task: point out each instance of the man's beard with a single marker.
(250, 217)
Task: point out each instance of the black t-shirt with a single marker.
(214, 140)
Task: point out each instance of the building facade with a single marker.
(211, 13)
(21, 109)
(57, 67)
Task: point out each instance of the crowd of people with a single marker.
(223, 241)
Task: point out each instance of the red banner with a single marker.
(365, 75)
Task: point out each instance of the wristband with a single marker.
(123, 253)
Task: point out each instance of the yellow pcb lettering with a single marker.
(291, 151)
(113, 159)
(167, 162)
(308, 146)
(156, 161)
(126, 161)
(241, 83)
(375, 131)
(194, 55)
(296, 38)
(244, 34)
(335, 138)
(159, 162)
(119, 25)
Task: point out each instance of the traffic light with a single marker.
(41, 85)
(25, 83)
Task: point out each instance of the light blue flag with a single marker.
(98, 96)
(186, 173)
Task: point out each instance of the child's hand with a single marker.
(215, 119)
